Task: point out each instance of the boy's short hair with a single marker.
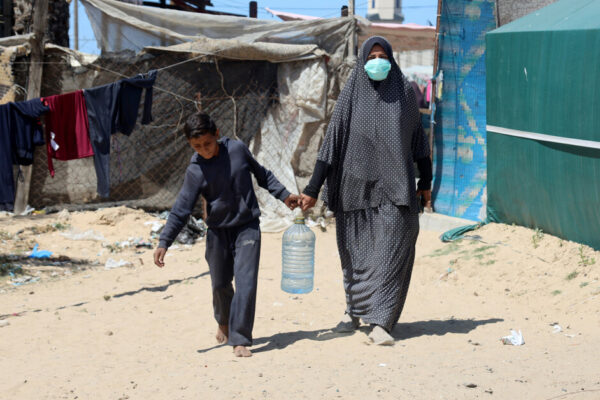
(199, 124)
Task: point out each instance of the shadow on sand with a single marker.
(410, 330)
(402, 331)
(159, 288)
(284, 339)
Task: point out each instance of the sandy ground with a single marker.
(140, 332)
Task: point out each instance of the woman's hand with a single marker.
(426, 197)
(307, 202)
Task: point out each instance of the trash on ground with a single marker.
(320, 222)
(112, 264)
(4, 322)
(87, 235)
(156, 225)
(28, 210)
(193, 230)
(35, 253)
(446, 274)
(130, 242)
(556, 328)
(23, 280)
(515, 338)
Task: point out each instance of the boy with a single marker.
(220, 171)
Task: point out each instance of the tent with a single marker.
(402, 37)
(270, 84)
(543, 124)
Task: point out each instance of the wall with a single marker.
(509, 10)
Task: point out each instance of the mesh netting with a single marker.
(147, 167)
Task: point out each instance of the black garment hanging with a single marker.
(20, 132)
(114, 108)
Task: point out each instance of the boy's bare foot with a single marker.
(222, 333)
(241, 351)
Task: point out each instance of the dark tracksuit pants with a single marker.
(234, 253)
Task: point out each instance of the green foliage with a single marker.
(585, 260)
(449, 248)
(572, 275)
(537, 237)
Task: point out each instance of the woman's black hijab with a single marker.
(372, 139)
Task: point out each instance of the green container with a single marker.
(543, 78)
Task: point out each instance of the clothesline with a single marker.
(125, 76)
(78, 124)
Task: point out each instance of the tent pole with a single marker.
(351, 12)
(433, 82)
(432, 107)
(76, 24)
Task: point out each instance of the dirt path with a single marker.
(138, 332)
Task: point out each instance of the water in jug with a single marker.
(298, 258)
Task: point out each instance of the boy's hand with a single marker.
(307, 202)
(159, 256)
(292, 201)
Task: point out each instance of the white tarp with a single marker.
(286, 131)
(122, 26)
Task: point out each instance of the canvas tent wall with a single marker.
(460, 154)
(543, 121)
(271, 84)
(459, 186)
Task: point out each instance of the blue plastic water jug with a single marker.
(298, 258)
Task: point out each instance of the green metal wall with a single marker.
(543, 76)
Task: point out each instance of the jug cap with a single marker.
(298, 216)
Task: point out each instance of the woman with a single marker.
(367, 158)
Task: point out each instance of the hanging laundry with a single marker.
(27, 128)
(114, 108)
(428, 91)
(130, 96)
(101, 107)
(67, 128)
(20, 131)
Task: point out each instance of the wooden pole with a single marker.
(76, 24)
(353, 37)
(253, 9)
(433, 82)
(433, 90)
(34, 89)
